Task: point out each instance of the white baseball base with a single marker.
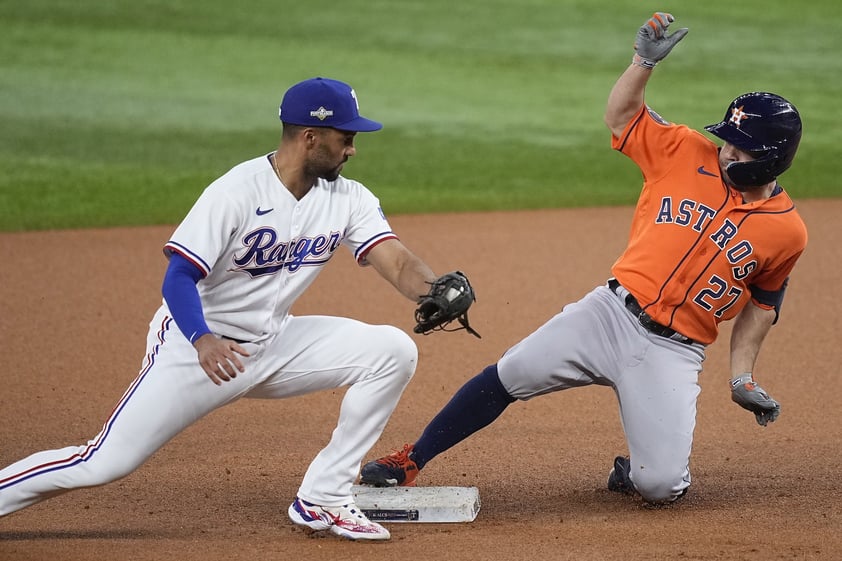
(418, 504)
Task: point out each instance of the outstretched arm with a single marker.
(402, 268)
(626, 98)
(651, 46)
(440, 300)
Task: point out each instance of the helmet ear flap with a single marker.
(746, 175)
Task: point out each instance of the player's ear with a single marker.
(310, 137)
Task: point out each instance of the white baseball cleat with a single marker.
(346, 521)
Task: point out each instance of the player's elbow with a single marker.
(615, 123)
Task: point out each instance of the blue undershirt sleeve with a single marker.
(182, 297)
(773, 298)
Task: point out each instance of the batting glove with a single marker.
(747, 394)
(652, 43)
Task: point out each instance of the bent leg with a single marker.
(375, 361)
(556, 356)
(658, 411)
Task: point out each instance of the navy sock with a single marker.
(477, 404)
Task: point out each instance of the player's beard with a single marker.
(333, 174)
(323, 166)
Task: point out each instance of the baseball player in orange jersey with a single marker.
(713, 237)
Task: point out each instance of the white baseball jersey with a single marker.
(257, 244)
(259, 248)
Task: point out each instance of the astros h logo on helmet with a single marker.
(738, 115)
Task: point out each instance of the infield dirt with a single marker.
(75, 309)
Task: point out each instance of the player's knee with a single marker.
(398, 348)
(94, 474)
(659, 488)
(104, 466)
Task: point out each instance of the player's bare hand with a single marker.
(218, 357)
(747, 394)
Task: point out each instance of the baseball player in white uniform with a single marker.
(252, 243)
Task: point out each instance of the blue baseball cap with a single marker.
(322, 102)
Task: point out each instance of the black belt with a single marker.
(646, 320)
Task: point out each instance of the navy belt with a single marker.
(239, 341)
(645, 319)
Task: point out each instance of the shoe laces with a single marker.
(398, 458)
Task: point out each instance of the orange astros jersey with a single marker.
(696, 251)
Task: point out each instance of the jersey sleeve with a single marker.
(651, 142)
(204, 233)
(788, 231)
(368, 225)
(768, 288)
(776, 278)
(768, 291)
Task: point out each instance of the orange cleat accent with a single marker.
(398, 469)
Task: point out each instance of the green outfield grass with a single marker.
(122, 112)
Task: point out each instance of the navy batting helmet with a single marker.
(769, 128)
